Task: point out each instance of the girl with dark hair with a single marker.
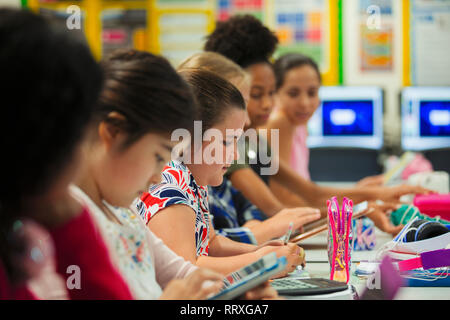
(52, 85)
(246, 41)
(177, 209)
(297, 82)
(233, 215)
(142, 102)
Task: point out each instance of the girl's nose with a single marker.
(268, 103)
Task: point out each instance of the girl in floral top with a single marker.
(177, 209)
(143, 100)
(127, 144)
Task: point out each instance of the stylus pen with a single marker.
(287, 236)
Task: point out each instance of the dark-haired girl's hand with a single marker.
(198, 285)
(263, 292)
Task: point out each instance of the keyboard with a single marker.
(300, 287)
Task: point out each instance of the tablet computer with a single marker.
(250, 276)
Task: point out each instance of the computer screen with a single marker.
(425, 118)
(348, 117)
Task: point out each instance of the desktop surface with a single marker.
(317, 266)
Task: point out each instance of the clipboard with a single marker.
(316, 227)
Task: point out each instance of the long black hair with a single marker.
(51, 85)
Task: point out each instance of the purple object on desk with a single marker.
(389, 280)
(435, 259)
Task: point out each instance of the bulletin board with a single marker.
(228, 8)
(426, 45)
(173, 28)
(310, 27)
(177, 28)
(313, 28)
(106, 23)
(376, 35)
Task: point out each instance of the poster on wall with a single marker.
(182, 30)
(228, 8)
(303, 26)
(376, 35)
(430, 42)
(120, 27)
(181, 35)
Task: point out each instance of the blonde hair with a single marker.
(218, 64)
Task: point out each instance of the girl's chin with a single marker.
(300, 121)
(217, 181)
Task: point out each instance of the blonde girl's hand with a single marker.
(298, 216)
(198, 285)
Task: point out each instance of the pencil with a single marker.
(287, 236)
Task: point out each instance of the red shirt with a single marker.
(77, 243)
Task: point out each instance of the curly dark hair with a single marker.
(242, 39)
(51, 85)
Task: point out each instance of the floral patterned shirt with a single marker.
(178, 186)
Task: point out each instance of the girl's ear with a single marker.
(109, 133)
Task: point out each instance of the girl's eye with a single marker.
(159, 159)
(255, 96)
(312, 93)
(256, 93)
(293, 94)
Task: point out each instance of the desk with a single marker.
(318, 267)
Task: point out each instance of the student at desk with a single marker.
(177, 209)
(42, 126)
(246, 41)
(233, 215)
(298, 81)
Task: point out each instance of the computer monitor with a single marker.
(425, 118)
(348, 117)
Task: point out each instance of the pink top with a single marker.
(300, 153)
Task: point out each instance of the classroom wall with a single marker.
(10, 3)
(176, 29)
(391, 80)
